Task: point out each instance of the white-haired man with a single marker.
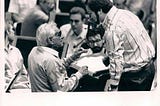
(47, 72)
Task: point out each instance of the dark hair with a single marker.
(96, 5)
(79, 10)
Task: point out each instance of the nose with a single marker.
(51, 5)
(95, 44)
(73, 23)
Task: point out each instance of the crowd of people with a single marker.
(113, 49)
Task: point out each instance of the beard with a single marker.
(96, 49)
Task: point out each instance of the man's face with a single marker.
(95, 43)
(76, 23)
(56, 42)
(49, 5)
(9, 34)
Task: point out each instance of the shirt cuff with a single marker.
(114, 82)
(78, 75)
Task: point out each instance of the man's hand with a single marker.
(78, 53)
(110, 87)
(82, 71)
(106, 61)
(75, 56)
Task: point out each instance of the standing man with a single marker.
(37, 16)
(47, 72)
(129, 48)
(74, 32)
(18, 10)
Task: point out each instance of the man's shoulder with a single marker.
(36, 11)
(85, 26)
(65, 27)
(14, 48)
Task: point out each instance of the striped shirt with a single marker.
(128, 44)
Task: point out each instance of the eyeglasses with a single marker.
(93, 42)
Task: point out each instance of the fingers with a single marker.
(84, 70)
(80, 51)
(85, 67)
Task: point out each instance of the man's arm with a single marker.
(58, 76)
(41, 18)
(115, 48)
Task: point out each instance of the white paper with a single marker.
(94, 63)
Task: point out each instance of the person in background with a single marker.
(121, 4)
(97, 62)
(18, 10)
(74, 32)
(14, 63)
(128, 46)
(36, 16)
(47, 71)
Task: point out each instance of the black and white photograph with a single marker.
(65, 50)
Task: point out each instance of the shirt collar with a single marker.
(84, 31)
(8, 48)
(112, 13)
(49, 50)
(110, 16)
(82, 35)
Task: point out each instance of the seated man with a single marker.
(46, 71)
(94, 59)
(16, 76)
(74, 32)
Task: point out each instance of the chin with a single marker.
(97, 50)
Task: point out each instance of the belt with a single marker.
(142, 68)
(147, 65)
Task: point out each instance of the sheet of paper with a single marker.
(94, 63)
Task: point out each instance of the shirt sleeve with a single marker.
(13, 6)
(115, 52)
(23, 78)
(41, 18)
(58, 77)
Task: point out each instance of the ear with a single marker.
(50, 40)
(103, 40)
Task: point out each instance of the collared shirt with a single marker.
(21, 7)
(72, 39)
(127, 42)
(13, 64)
(45, 69)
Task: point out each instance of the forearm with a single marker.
(16, 18)
(67, 62)
(115, 70)
(116, 57)
(70, 84)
